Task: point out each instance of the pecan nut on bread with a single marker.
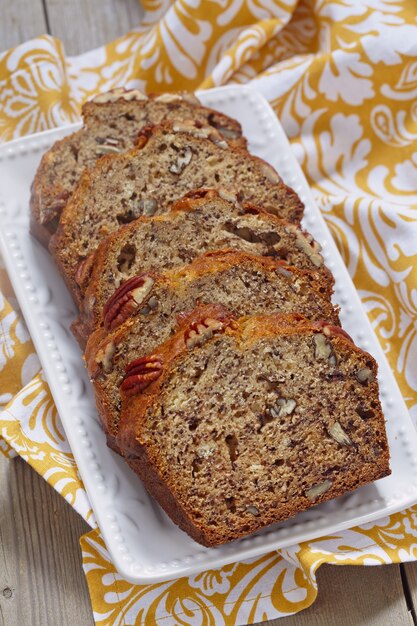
(235, 425)
(169, 161)
(112, 122)
(195, 225)
(244, 283)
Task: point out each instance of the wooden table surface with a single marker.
(41, 578)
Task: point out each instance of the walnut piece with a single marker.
(338, 434)
(269, 172)
(167, 98)
(205, 450)
(105, 357)
(323, 349)
(318, 490)
(119, 94)
(126, 300)
(201, 332)
(364, 375)
(182, 161)
(203, 132)
(151, 305)
(228, 196)
(306, 243)
(147, 206)
(141, 373)
(283, 406)
(252, 510)
(108, 149)
(227, 133)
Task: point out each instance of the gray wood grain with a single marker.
(42, 582)
(355, 596)
(410, 583)
(86, 24)
(20, 20)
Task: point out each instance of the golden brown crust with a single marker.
(144, 466)
(157, 488)
(246, 331)
(39, 232)
(147, 132)
(104, 339)
(57, 242)
(66, 252)
(174, 282)
(43, 217)
(87, 296)
(49, 196)
(211, 262)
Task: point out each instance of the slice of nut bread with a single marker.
(169, 161)
(235, 425)
(195, 225)
(243, 283)
(112, 122)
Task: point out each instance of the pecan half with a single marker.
(201, 331)
(305, 242)
(140, 374)
(119, 93)
(126, 300)
(167, 98)
(334, 331)
(203, 132)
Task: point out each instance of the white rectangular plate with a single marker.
(144, 544)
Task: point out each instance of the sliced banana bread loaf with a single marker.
(112, 122)
(244, 283)
(169, 161)
(194, 226)
(233, 426)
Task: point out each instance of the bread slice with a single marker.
(235, 425)
(169, 161)
(244, 283)
(195, 225)
(112, 122)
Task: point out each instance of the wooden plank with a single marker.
(355, 596)
(86, 24)
(21, 20)
(41, 578)
(410, 580)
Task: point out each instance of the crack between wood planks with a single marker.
(407, 594)
(46, 16)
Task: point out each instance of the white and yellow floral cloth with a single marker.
(342, 77)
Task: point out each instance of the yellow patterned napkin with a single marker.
(342, 77)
